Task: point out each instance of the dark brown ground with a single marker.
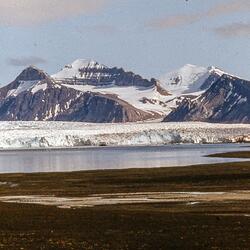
(239, 154)
(142, 226)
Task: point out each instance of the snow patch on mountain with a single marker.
(23, 86)
(33, 86)
(39, 87)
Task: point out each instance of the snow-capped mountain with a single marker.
(34, 95)
(90, 72)
(80, 69)
(190, 79)
(90, 76)
(227, 100)
(92, 92)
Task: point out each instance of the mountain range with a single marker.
(91, 92)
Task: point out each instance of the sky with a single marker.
(147, 37)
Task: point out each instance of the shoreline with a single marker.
(139, 175)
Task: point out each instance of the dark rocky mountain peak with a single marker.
(32, 73)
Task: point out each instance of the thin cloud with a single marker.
(228, 8)
(173, 21)
(233, 30)
(185, 19)
(26, 61)
(30, 12)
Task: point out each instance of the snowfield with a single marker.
(188, 79)
(134, 95)
(23, 135)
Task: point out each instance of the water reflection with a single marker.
(112, 158)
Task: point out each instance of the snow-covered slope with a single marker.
(72, 70)
(189, 79)
(33, 86)
(14, 135)
(144, 98)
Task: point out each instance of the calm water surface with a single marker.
(112, 157)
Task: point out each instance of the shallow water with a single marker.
(113, 157)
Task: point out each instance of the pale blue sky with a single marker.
(145, 36)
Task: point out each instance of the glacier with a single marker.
(36, 135)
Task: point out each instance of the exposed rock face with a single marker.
(36, 96)
(212, 78)
(92, 107)
(227, 100)
(31, 74)
(115, 76)
(160, 89)
(89, 72)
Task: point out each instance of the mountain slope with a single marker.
(89, 75)
(34, 95)
(31, 77)
(227, 100)
(91, 72)
(91, 92)
(93, 107)
(190, 79)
